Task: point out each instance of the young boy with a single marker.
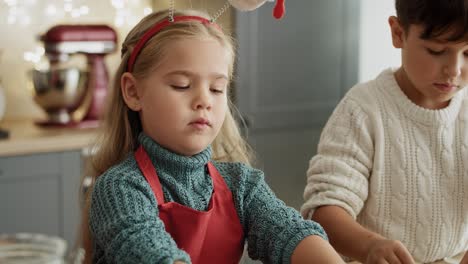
(390, 181)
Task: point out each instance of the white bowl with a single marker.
(26, 248)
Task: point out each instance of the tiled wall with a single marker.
(22, 21)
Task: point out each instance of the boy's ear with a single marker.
(130, 92)
(398, 33)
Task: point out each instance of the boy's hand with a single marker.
(388, 251)
(465, 259)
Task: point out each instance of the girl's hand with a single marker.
(465, 259)
(388, 251)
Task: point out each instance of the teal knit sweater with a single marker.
(124, 215)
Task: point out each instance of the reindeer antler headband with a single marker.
(244, 5)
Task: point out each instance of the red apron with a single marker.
(211, 236)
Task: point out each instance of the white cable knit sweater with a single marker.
(399, 169)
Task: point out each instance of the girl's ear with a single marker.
(398, 33)
(130, 92)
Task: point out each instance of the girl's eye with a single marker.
(177, 87)
(217, 90)
(435, 52)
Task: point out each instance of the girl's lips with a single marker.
(200, 123)
(199, 126)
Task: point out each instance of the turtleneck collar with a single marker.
(185, 168)
(415, 112)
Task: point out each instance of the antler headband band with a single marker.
(155, 29)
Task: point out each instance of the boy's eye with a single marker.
(435, 52)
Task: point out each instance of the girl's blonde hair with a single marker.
(121, 126)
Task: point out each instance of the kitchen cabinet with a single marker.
(39, 194)
(40, 177)
(290, 75)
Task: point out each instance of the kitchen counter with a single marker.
(27, 138)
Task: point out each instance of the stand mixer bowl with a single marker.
(59, 92)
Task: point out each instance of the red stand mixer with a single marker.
(73, 96)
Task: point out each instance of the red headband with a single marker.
(154, 30)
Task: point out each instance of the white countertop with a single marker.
(25, 137)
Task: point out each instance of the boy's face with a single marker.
(432, 71)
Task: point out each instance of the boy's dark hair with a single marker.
(437, 16)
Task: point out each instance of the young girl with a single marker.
(161, 197)
(391, 170)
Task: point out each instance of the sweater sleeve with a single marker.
(124, 222)
(273, 229)
(339, 173)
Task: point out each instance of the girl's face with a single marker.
(432, 71)
(183, 103)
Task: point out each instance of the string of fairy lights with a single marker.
(31, 13)
(25, 12)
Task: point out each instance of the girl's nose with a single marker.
(202, 99)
